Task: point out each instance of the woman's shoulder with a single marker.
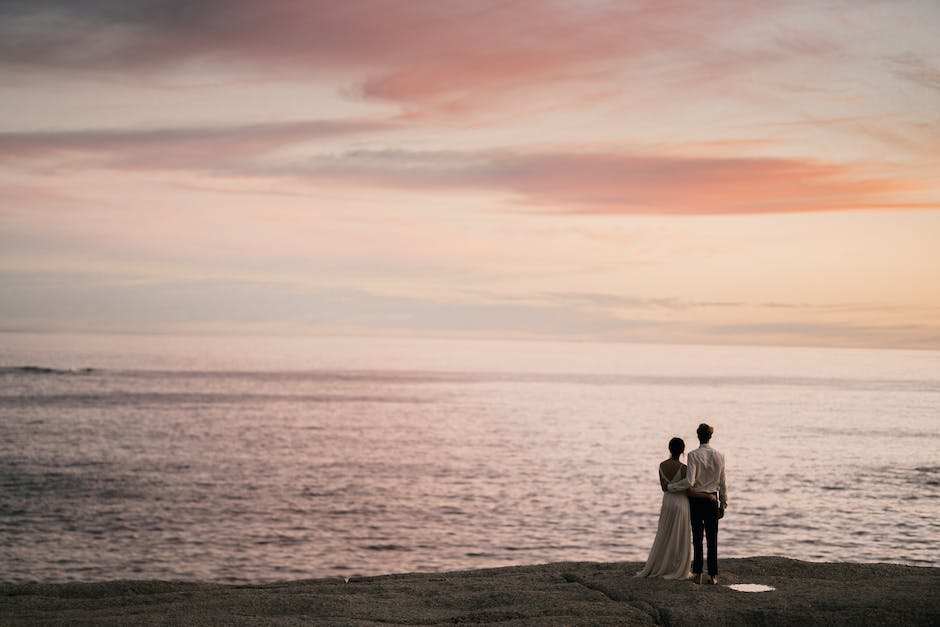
(671, 466)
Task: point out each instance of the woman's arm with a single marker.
(681, 485)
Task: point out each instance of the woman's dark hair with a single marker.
(676, 447)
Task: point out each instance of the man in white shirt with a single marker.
(706, 474)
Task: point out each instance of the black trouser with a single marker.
(704, 513)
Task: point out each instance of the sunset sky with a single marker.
(659, 171)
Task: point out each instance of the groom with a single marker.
(706, 474)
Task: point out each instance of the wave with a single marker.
(170, 398)
(887, 432)
(386, 547)
(39, 370)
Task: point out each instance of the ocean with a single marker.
(256, 459)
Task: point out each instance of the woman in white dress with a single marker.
(671, 555)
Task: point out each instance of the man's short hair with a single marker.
(704, 433)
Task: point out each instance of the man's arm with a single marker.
(691, 469)
(722, 487)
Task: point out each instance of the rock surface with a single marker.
(552, 594)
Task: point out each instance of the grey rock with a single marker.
(550, 594)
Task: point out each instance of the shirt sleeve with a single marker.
(679, 486)
(691, 469)
(722, 487)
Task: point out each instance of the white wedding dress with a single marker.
(671, 555)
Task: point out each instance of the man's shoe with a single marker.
(697, 578)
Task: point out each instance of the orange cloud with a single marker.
(613, 183)
(626, 184)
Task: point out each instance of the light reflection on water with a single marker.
(751, 587)
(422, 457)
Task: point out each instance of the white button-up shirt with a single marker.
(707, 472)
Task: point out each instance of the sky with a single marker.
(653, 171)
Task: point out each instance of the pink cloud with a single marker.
(449, 57)
(431, 55)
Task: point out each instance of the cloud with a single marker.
(589, 183)
(198, 148)
(916, 69)
(42, 301)
(603, 301)
(90, 301)
(609, 183)
(441, 56)
(625, 184)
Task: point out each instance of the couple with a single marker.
(695, 496)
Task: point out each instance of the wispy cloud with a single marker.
(95, 302)
(444, 56)
(176, 147)
(917, 69)
(613, 302)
(599, 183)
(621, 184)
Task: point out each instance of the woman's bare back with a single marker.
(668, 470)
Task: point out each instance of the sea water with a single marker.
(259, 459)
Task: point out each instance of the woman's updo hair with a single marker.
(676, 446)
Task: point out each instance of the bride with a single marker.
(671, 555)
